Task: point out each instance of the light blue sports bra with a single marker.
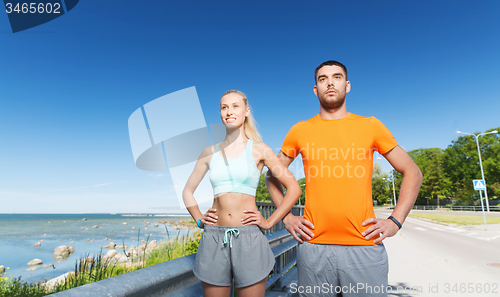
(237, 175)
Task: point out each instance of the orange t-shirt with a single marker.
(338, 165)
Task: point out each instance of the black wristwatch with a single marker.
(395, 221)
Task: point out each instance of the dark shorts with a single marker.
(243, 255)
(342, 270)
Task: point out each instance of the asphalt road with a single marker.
(430, 259)
(461, 213)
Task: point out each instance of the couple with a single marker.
(343, 240)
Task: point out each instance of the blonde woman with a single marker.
(233, 245)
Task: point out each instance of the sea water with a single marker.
(19, 232)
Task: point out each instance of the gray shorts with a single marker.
(243, 254)
(342, 270)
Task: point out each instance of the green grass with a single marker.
(92, 269)
(16, 287)
(458, 219)
(183, 246)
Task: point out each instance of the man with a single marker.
(343, 251)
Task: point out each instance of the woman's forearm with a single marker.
(191, 205)
(291, 197)
(195, 212)
(275, 188)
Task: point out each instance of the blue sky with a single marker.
(424, 68)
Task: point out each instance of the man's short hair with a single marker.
(329, 63)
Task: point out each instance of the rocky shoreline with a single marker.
(130, 258)
(120, 254)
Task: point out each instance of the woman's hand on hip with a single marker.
(254, 217)
(210, 217)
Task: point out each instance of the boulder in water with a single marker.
(64, 250)
(35, 262)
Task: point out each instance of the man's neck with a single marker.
(333, 114)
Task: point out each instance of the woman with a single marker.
(233, 245)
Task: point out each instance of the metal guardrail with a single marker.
(454, 208)
(171, 278)
(267, 210)
(283, 245)
(284, 248)
(175, 278)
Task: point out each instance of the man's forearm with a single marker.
(410, 186)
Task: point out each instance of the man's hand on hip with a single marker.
(297, 224)
(381, 227)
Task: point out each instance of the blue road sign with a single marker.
(479, 184)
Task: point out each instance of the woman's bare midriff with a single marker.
(230, 207)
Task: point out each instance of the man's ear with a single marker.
(315, 91)
(348, 87)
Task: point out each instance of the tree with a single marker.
(461, 164)
(435, 183)
(381, 191)
(302, 184)
(262, 195)
(490, 154)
